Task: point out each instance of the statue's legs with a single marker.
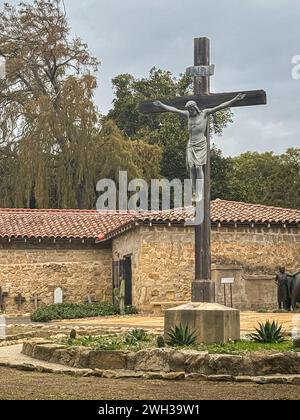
(197, 176)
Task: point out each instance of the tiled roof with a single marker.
(232, 211)
(81, 224)
(71, 224)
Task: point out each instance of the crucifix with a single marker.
(19, 301)
(35, 300)
(3, 295)
(198, 109)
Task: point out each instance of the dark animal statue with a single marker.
(294, 289)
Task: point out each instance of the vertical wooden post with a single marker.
(203, 288)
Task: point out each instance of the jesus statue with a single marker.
(197, 148)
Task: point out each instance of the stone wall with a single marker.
(41, 268)
(261, 292)
(162, 266)
(259, 250)
(254, 292)
(163, 263)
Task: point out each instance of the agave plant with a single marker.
(180, 336)
(268, 333)
(137, 336)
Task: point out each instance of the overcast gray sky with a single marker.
(253, 42)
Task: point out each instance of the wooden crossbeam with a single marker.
(253, 97)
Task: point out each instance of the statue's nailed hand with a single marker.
(158, 104)
(240, 97)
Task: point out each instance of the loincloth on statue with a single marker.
(196, 153)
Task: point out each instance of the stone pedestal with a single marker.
(212, 323)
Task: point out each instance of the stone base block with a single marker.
(212, 323)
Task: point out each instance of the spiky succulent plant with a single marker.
(268, 332)
(181, 336)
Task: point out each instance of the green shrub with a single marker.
(263, 311)
(181, 337)
(268, 333)
(134, 342)
(75, 311)
(131, 310)
(109, 344)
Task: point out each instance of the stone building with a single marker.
(49, 256)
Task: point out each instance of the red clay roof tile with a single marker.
(83, 224)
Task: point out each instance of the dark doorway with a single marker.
(122, 269)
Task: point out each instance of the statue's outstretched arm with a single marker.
(168, 108)
(225, 105)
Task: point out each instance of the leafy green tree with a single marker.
(284, 184)
(250, 176)
(221, 169)
(266, 178)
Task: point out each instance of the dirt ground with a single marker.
(15, 385)
(249, 321)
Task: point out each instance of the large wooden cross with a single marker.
(203, 288)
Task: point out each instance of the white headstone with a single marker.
(2, 327)
(2, 68)
(58, 296)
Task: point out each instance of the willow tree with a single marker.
(48, 117)
(53, 146)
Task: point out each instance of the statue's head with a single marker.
(192, 107)
(282, 270)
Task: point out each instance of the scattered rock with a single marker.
(221, 378)
(196, 377)
(259, 381)
(26, 367)
(294, 380)
(243, 379)
(160, 342)
(109, 374)
(129, 374)
(98, 373)
(174, 376)
(277, 380)
(153, 376)
(85, 373)
(297, 343)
